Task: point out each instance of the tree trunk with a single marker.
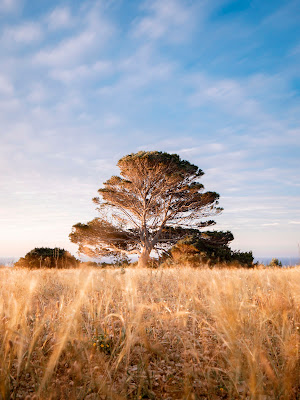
(144, 258)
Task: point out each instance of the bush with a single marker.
(46, 257)
(275, 263)
(209, 249)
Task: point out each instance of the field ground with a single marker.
(150, 334)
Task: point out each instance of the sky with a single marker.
(83, 83)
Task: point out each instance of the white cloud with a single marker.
(295, 51)
(138, 71)
(23, 34)
(250, 105)
(9, 5)
(168, 19)
(271, 224)
(229, 94)
(285, 16)
(69, 75)
(205, 147)
(71, 51)
(104, 164)
(9, 107)
(68, 51)
(6, 88)
(111, 120)
(38, 93)
(294, 222)
(59, 18)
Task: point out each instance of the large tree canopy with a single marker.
(152, 205)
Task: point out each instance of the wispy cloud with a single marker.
(230, 95)
(10, 5)
(60, 18)
(141, 69)
(205, 148)
(271, 224)
(284, 17)
(22, 34)
(83, 72)
(71, 51)
(170, 20)
(6, 87)
(38, 93)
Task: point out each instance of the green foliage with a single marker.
(46, 257)
(275, 263)
(244, 258)
(103, 342)
(153, 159)
(121, 260)
(209, 248)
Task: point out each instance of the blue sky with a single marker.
(83, 83)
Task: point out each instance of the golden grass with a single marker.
(150, 334)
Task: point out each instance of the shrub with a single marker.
(209, 249)
(275, 263)
(46, 257)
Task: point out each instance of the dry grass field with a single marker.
(150, 334)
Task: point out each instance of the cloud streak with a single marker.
(8, 6)
(60, 18)
(27, 33)
(169, 20)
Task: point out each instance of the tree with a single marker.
(150, 206)
(45, 257)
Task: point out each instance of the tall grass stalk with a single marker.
(156, 334)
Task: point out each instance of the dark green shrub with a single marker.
(45, 257)
(209, 248)
(275, 263)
